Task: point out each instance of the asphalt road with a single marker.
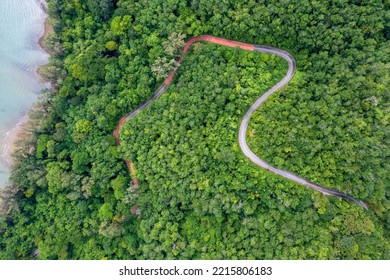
(244, 127)
(245, 121)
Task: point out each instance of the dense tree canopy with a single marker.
(198, 197)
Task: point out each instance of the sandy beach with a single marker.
(10, 140)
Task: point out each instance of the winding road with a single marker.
(245, 121)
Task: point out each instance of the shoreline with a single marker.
(15, 132)
(47, 31)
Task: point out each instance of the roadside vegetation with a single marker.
(71, 194)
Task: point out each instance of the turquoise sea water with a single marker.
(21, 25)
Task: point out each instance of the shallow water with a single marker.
(21, 25)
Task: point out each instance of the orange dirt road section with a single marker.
(211, 39)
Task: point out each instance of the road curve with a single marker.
(245, 121)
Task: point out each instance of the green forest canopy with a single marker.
(199, 196)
